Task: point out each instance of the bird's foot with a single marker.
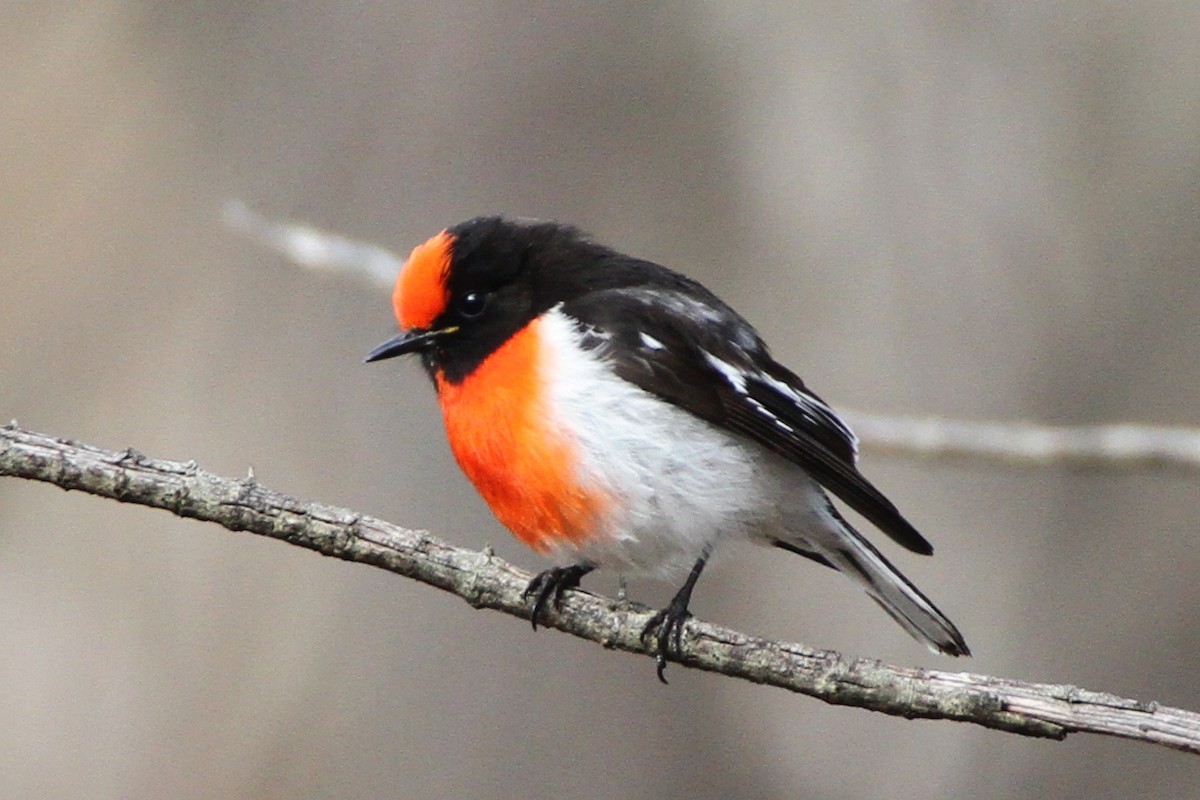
(667, 627)
(548, 587)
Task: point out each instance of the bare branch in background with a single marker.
(1027, 444)
(1031, 709)
(315, 249)
(1124, 446)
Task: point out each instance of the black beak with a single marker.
(409, 342)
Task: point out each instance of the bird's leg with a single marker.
(548, 586)
(667, 625)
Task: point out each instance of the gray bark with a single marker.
(1031, 709)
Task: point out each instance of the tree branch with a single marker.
(1025, 443)
(484, 581)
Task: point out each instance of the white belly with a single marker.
(680, 485)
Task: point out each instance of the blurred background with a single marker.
(985, 211)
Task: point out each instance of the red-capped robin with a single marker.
(615, 413)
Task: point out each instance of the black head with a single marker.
(467, 290)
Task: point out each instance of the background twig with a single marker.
(1122, 446)
(1031, 709)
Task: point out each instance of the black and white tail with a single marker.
(854, 556)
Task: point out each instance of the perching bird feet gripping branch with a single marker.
(484, 581)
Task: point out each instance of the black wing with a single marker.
(697, 353)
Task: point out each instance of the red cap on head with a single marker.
(421, 294)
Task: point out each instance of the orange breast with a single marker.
(508, 446)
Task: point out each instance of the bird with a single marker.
(616, 414)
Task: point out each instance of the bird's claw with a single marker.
(667, 627)
(547, 588)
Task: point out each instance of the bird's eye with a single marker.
(472, 304)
